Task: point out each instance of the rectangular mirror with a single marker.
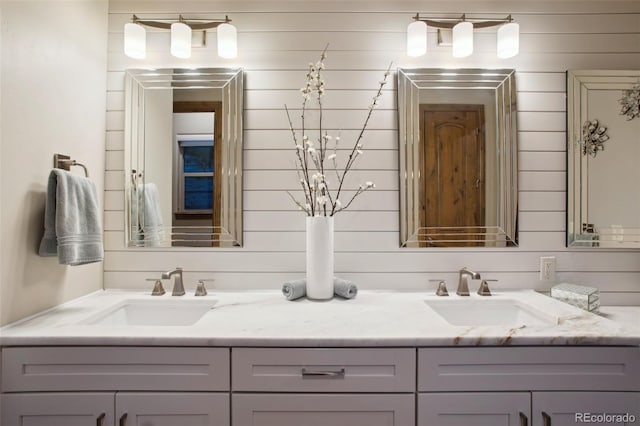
(458, 158)
(603, 158)
(183, 156)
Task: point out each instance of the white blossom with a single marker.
(318, 196)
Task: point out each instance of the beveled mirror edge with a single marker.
(507, 233)
(575, 171)
(233, 120)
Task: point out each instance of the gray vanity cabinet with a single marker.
(131, 409)
(522, 386)
(323, 409)
(124, 386)
(172, 409)
(58, 409)
(560, 408)
(474, 408)
(431, 386)
(325, 386)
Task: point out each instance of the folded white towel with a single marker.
(72, 229)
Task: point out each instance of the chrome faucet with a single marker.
(463, 283)
(178, 287)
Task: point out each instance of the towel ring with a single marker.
(64, 162)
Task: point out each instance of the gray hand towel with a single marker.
(295, 289)
(344, 288)
(72, 229)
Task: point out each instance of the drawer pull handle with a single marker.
(524, 421)
(100, 419)
(123, 419)
(329, 374)
(546, 420)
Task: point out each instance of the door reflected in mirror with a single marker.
(183, 142)
(458, 158)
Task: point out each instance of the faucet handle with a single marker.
(158, 289)
(442, 287)
(200, 289)
(484, 288)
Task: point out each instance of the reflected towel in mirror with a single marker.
(146, 216)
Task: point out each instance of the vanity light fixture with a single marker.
(180, 40)
(462, 40)
(181, 30)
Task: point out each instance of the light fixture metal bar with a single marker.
(194, 24)
(449, 23)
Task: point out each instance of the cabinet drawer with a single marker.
(121, 368)
(529, 368)
(323, 370)
(323, 409)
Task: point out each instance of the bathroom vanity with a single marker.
(254, 359)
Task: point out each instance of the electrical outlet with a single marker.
(548, 268)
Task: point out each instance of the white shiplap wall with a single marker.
(277, 40)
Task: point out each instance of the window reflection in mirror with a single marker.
(183, 142)
(457, 134)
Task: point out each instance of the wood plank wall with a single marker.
(277, 40)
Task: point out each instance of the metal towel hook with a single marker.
(64, 162)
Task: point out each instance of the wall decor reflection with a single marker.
(593, 137)
(183, 148)
(458, 158)
(630, 102)
(603, 195)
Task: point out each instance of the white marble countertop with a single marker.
(373, 318)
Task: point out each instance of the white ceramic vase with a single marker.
(320, 257)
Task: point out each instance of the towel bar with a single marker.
(64, 162)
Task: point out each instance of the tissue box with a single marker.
(587, 298)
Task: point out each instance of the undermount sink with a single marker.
(489, 312)
(153, 313)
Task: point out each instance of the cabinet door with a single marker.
(323, 410)
(571, 408)
(474, 409)
(172, 409)
(57, 409)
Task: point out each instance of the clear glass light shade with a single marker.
(135, 41)
(227, 41)
(508, 40)
(180, 40)
(462, 40)
(416, 39)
